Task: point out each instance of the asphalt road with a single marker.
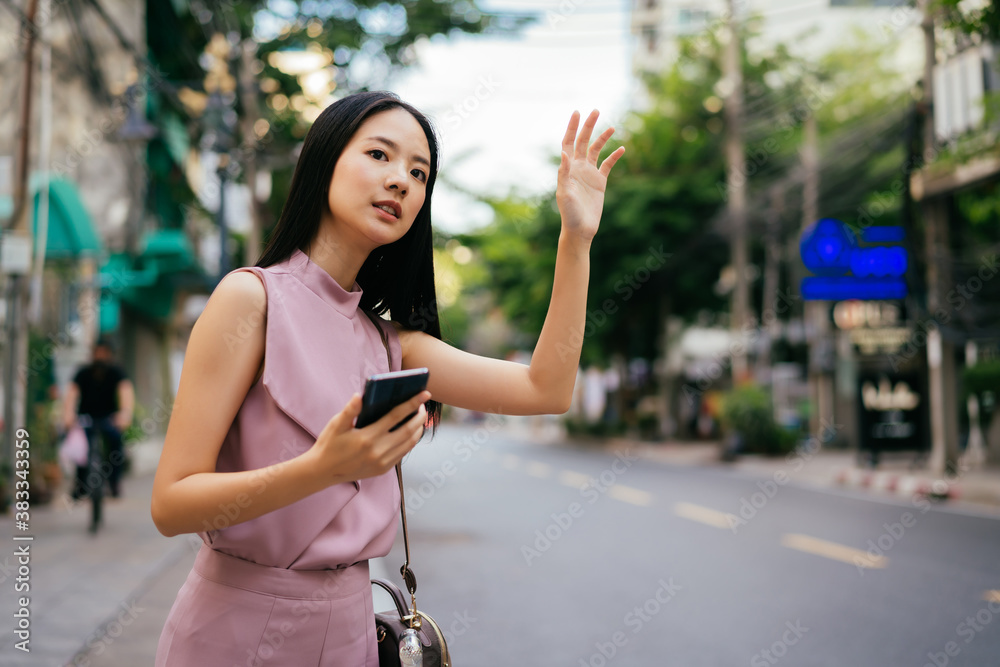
(525, 562)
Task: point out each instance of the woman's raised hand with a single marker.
(581, 183)
(344, 453)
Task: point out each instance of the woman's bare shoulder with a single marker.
(237, 310)
(241, 286)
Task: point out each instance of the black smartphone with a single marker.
(385, 391)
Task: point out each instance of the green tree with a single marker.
(353, 45)
(663, 240)
(979, 19)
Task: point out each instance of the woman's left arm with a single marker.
(546, 386)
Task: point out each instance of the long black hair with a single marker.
(397, 278)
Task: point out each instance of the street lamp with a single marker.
(136, 132)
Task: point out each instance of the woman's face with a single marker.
(380, 179)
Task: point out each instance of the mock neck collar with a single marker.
(322, 283)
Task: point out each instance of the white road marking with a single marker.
(575, 479)
(705, 515)
(629, 495)
(510, 462)
(834, 551)
(538, 469)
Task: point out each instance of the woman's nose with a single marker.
(397, 181)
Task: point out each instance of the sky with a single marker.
(501, 105)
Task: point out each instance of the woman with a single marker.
(261, 457)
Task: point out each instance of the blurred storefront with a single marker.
(118, 252)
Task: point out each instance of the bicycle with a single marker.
(94, 482)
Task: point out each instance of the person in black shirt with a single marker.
(103, 394)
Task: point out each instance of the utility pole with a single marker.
(736, 184)
(41, 231)
(16, 257)
(772, 270)
(941, 377)
(817, 313)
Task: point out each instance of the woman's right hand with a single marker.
(345, 454)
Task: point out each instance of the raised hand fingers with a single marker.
(598, 145)
(570, 137)
(583, 141)
(611, 160)
(579, 147)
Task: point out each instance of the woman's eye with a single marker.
(421, 176)
(377, 154)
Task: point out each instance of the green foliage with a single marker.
(982, 378)
(862, 104)
(664, 239)
(583, 429)
(41, 404)
(376, 35)
(517, 253)
(981, 19)
(459, 285)
(363, 42)
(981, 208)
(747, 411)
(662, 243)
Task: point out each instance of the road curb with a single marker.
(899, 484)
(979, 487)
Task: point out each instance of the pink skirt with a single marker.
(234, 613)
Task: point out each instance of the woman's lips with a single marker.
(385, 215)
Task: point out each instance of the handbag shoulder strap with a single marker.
(408, 577)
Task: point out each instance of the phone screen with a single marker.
(385, 391)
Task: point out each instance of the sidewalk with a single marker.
(839, 469)
(90, 593)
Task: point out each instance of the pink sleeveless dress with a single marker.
(291, 587)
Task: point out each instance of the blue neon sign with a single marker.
(844, 269)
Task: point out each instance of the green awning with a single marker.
(148, 283)
(169, 251)
(71, 231)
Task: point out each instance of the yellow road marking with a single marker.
(629, 495)
(538, 469)
(510, 461)
(704, 515)
(575, 479)
(992, 596)
(818, 547)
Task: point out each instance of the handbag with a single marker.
(73, 450)
(390, 626)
